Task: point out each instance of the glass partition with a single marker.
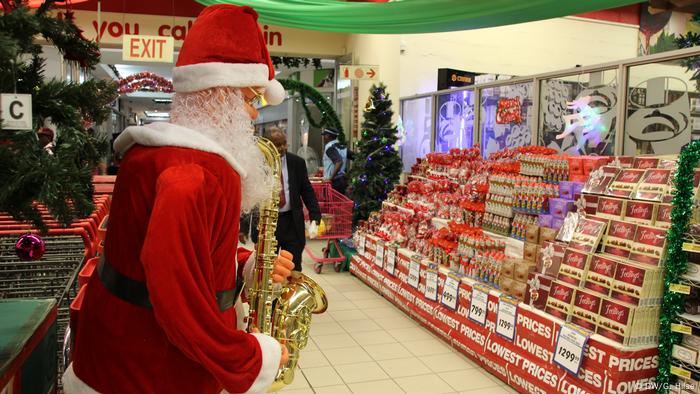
(455, 120)
(578, 113)
(505, 117)
(663, 106)
(417, 116)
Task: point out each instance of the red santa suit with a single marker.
(173, 225)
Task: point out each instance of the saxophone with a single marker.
(282, 312)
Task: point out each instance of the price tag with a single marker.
(691, 247)
(479, 306)
(390, 263)
(361, 244)
(680, 372)
(431, 283)
(414, 273)
(379, 255)
(683, 329)
(450, 292)
(505, 320)
(568, 353)
(679, 288)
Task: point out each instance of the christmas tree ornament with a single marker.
(30, 247)
(370, 105)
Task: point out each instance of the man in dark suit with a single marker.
(295, 189)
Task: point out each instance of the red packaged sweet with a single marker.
(573, 267)
(587, 235)
(538, 287)
(549, 258)
(586, 309)
(611, 208)
(625, 183)
(620, 238)
(654, 184)
(645, 162)
(600, 179)
(634, 282)
(560, 300)
(615, 319)
(648, 246)
(641, 212)
(601, 274)
(663, 215)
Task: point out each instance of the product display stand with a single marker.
(525, 362)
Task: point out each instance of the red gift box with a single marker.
(560, 300)
(573, 267)
(601, 274)
(615, 319)
(611, 208)
(538, 287)
(645, 162)
(641, 212)
(625, 183)
(620, 238)
(663, 215)
(586, 309)
(648, 247)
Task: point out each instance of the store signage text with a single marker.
(148, 48)
(16, 111)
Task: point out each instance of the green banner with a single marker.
(414, 16)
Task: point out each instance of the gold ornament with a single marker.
(370, 105)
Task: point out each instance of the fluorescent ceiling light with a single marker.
(152, 114)
(162, 100)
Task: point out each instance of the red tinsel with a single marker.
(146, 81)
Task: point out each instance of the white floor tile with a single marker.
(395, 322)
(350, 355)
(384, 312)
(324, 317)
(368, 338)
(299, 382)
(388, 351)
(424, 384)
(427, 347)
(322, 376)
(371, 303)
(344, 305)
(362, 372)
(489, 390)
(326, 328)
(448, 362)
(312, 359)
(353, 326)
(411, 334)
(368, 294)
(402, 367)
(340, 389)
(296, 391)
(341, 316)
(471, 379)
(378, 387)
(333, 341)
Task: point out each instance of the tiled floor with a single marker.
(365, 345)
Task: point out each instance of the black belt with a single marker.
(136, 293)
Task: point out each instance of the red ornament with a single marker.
(30, 247)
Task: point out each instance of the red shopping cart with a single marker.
(336, 215)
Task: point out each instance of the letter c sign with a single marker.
(16, 111)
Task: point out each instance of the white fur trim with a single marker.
(271, 355)
(275, 93)
(73, 385)
(168, 134)
(196, 77)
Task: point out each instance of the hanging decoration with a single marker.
(509, 111)
(414, 16)
(145, 81)
(296, 62)
(30, 247)
(676, 261)
(329, 118)
(370, 105)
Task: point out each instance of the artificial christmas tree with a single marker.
(60, 176)
(377, 165)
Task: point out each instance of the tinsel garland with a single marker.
(145, 80)
(676, 260)
(329, 118)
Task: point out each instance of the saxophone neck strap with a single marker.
(136, 292)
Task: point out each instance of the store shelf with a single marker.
(688, 367)
(688, 320)
(690, 282)
(527, 212)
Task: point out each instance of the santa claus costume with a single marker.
(158, 315)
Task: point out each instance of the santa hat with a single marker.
(225, 47)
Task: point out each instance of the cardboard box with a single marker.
(640, 212)
(530, 252)
(586, 309)
(654, 184)
(601, 274)
(684, 354)
(559, 207)
(560, 300)
(507, 269)
(538, 286)
(587, 235)
(625, 183)
(547, 235)
(575, 165)
(591, 201)
(573, 267)
(522, 271)
(545, 220)
(518, 290)
(620, 238)
(662, 218)
(648, 246)
(532, 233)
(615, 320)
(637, 284)
(550, 266)
(610, 207)
(566, 190)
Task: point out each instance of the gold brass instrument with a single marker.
(280, 311)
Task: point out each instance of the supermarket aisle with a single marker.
(364, 345)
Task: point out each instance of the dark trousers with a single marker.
(288, 239)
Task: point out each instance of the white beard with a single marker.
(220, 114)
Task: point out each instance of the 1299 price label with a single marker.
(414, 273)
(431, 284)
(379, 255)
(390, 263)
(505, 319)
(569, 351)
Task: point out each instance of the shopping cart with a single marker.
(336, 215)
